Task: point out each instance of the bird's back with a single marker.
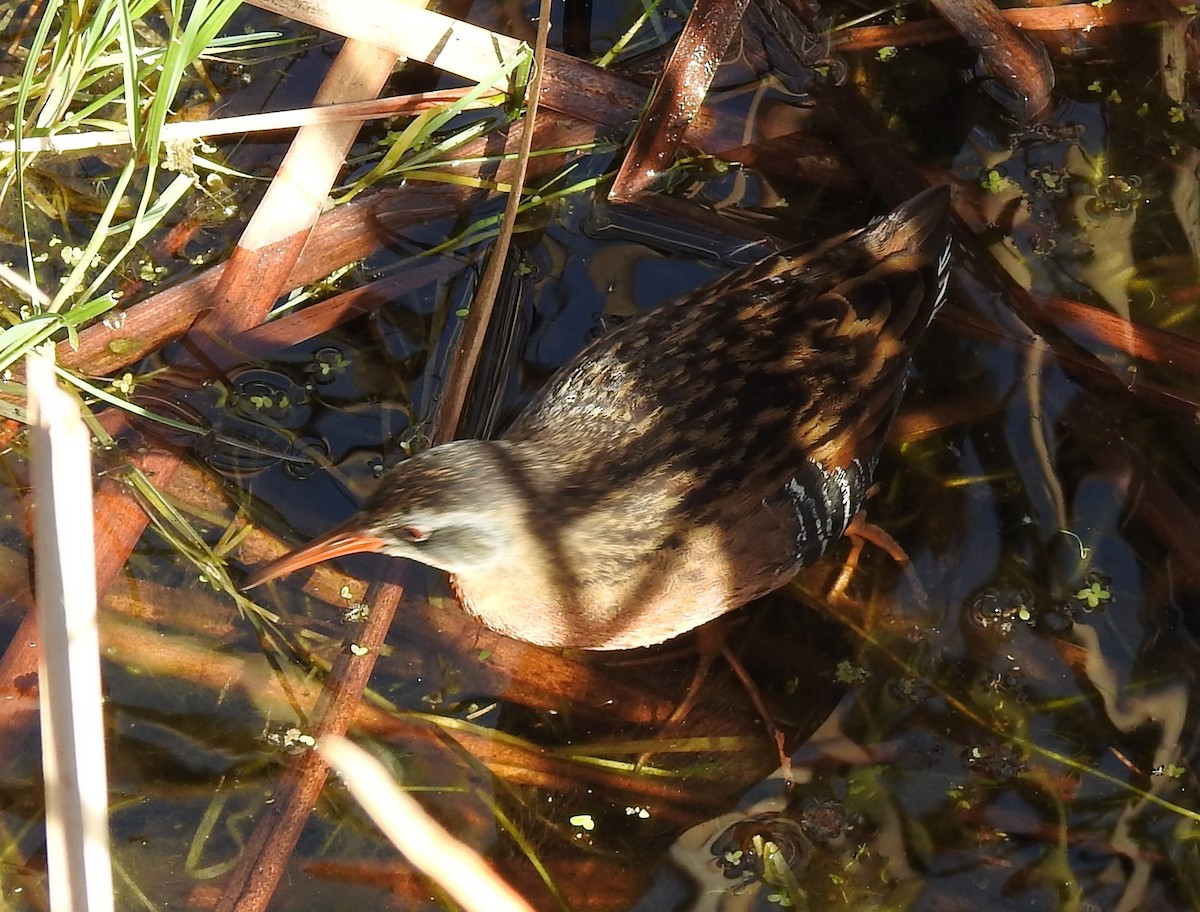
(799, 355)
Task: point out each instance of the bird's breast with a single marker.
(627, 583)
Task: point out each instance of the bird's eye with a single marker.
(414, 534)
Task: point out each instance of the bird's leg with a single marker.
(711, 642)
(703, 665)
(755, 695)
(860, 532)
(838, 590)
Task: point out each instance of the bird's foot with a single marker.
(860, 532)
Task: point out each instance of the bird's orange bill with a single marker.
(337, 543)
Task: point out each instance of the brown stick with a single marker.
(346, 234)
(250, 284)
(453, 400)
(269, 847)
(1018, 63)
(678, 96)
(1066, 17)
(1148, 342)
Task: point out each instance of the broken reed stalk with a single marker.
(454, 866)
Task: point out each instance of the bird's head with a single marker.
(452, 507)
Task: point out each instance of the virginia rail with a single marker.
(692, 459)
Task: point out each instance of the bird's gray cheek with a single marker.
(460, 549)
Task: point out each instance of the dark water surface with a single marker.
(1004, 722)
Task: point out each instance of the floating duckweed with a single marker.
(994, 181)
(1094, 595)
(122, 346)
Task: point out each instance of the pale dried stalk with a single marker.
(69, 663)
(185, 130)
(454, 866)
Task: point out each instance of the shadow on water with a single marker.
(1003, 722)
(1013, 724)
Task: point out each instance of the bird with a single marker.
(690, 460)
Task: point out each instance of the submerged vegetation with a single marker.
(996, 709)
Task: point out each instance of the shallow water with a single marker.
(1002, 722)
